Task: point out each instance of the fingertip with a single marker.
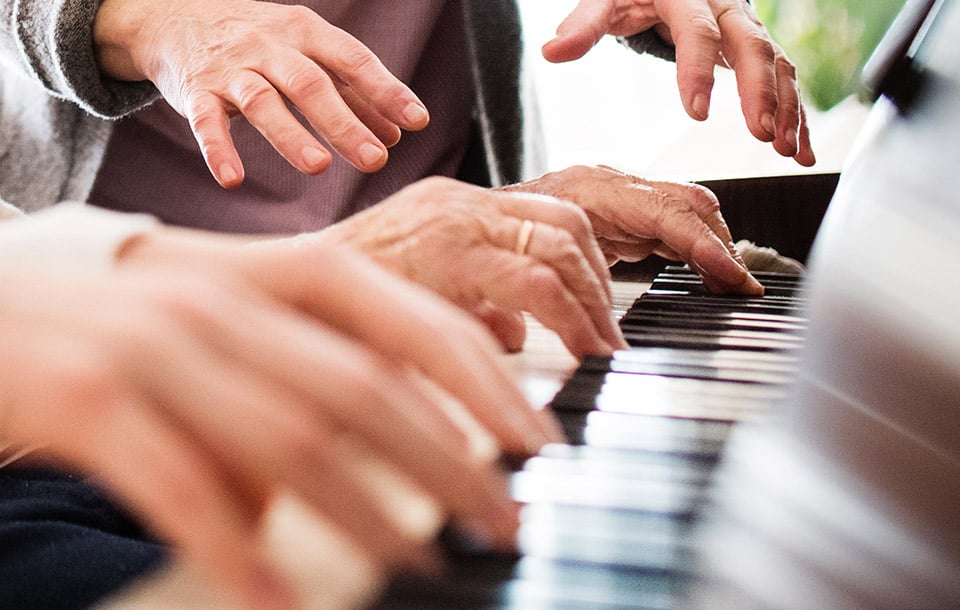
(552, 51)
(769, 126)
(700, 107)
(806, 157)
(228, 176)
(415, 116)
(566, 48)
(315, 159)
(372, 157)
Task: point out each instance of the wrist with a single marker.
(118, 31)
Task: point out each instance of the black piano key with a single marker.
(533, 583)
(696, 305)
(640, 319)
(691, 338)
(606, 518)
(692, 288)
(762, 276)
(718, 317)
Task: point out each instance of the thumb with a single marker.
(579, 32)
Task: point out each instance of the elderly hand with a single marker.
(633, 218)
(204, 389)
(706, 33)
(216, 58)
(496, 254)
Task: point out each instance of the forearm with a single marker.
(51, 42)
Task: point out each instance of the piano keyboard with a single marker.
(606, 517)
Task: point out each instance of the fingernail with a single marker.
(314, 157)
(701, 106)
(371, 154)
(768, 124)
(792, 141)
(227, 174)
(415, 115)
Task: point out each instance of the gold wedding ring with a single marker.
(523, 237)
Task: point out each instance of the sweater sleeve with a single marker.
(51, 41)
(650, 43)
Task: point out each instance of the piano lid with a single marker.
(850, 497)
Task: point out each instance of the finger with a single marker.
(567, 216)
(524, 283)
(271, 441)
(788, 108)
(353, 63)
(386, 130)
(697, 40)
(378, 405)
(751, 53)
(805, 155)
(312, 90)
(210, 125)
(507, 326)
(701, 200)
(459, 356)
(265, 109)
(557, 249)
(85, 415)
(156, 472)
(579, 32)
(681, 229)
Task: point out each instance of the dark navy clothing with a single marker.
(63, 545)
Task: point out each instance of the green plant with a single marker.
(828, 40)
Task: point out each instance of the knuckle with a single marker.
(759, 45)
(300, 14)
(254, 94)
(545, 283)
(704, 27)
(307, 82)
(568, 252)
(356, 58)
(702, 198)
(340, 128)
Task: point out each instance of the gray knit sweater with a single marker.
(56, 107)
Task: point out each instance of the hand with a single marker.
(217, 58)
(706, 33)
(462, 241)
(633, 218)
(204, 390)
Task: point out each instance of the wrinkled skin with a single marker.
(218, 58)
(460, 241)
(706, 33)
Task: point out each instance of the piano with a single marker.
(796, 451)
(800, 450)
